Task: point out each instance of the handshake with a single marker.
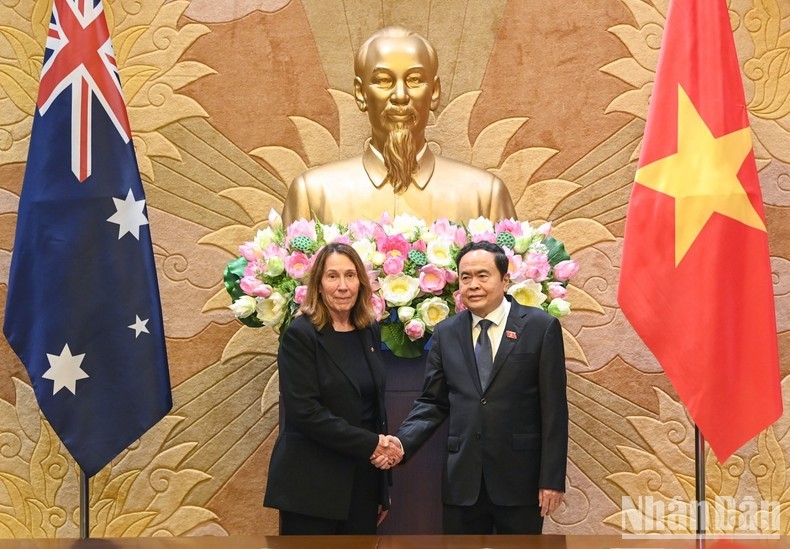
(388, 453)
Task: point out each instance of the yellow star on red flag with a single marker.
(702, 177)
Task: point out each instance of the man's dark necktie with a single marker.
(484, 353)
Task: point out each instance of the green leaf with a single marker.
(236, 267)
(233, 274)
(395, 339)
(252, 321)
(557, 251)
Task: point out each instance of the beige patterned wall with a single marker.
(230, 100)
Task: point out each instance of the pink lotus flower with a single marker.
(432, 279)
(252, 269)
(379, 233)
(379, 306)
(565, 269)
(393, 264)
(297, 265)
(248, 284)
(536, 266)
(300, 293)
(443, 229)
(373, 276)
(420, 246)
(395, 243)
(450, 276)
(300, 227)
(544, 229)
(487, 236)
(385, 219)
(515, 266)
(362, 228)
(459, 305)
(253, 286)
(250, 251)
(414, 329)
(510, 225)
(557, 290)
(460, 237)
(275, 221)
(343, 239)
(273, 250)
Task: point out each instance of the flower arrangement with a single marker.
(411, 266)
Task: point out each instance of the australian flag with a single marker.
(83, 310)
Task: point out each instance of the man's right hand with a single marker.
(388, 453)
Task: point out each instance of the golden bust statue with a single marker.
(397, 85)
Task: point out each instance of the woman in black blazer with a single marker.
(332, 388)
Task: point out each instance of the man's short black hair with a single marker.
(500, 259)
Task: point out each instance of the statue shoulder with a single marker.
(464, 172)
(331, 171)
(493, 196)
(312, 193)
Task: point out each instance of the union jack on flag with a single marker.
(80, 58)
(83, 310)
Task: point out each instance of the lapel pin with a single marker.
(371, 350)
(510, 334)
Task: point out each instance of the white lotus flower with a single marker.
(528, 293)
(399, 289)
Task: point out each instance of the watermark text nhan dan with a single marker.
(650, 517)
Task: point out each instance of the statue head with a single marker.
(397, 84)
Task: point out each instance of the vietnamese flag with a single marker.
(696, 279)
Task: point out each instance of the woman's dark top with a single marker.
(359, 368)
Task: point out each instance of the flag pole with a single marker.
(84, 505)
(699, 461)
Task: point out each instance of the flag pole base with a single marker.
(85, 501)
(699, 461)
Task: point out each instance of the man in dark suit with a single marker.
(498, 371)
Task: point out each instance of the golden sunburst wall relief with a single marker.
(229, 101)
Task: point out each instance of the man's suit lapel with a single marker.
(335, 351)
(465, 344)
(515, 324)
